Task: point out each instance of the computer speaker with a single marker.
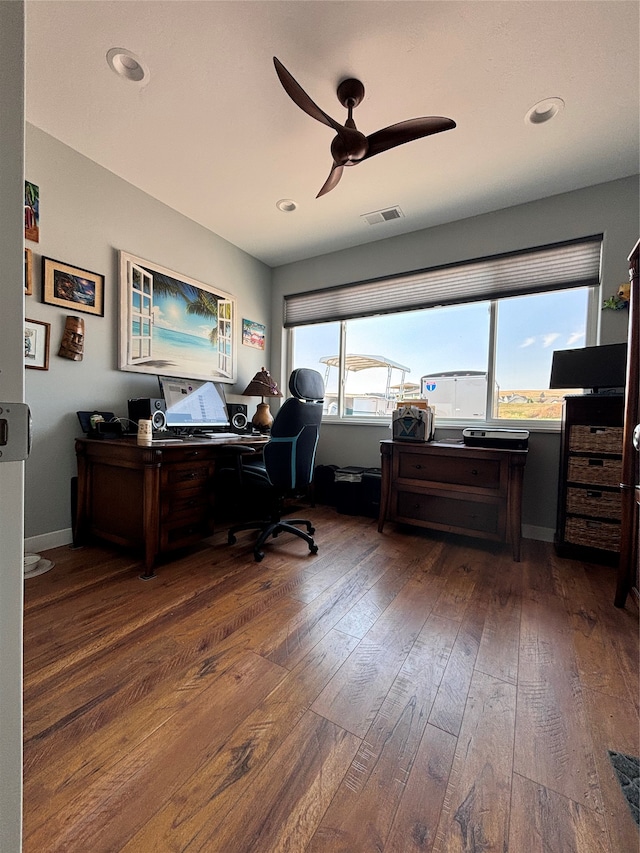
(238, 417)
(144, 408)
(159, 420)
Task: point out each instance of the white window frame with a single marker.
(591, 333)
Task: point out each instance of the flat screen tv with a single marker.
(194, 405)
(593, 369)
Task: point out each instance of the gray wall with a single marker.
(610, 208)
(86, 215)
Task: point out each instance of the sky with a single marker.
(530, 328)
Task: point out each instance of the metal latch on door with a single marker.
(15, 432)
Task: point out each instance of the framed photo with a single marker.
(253, 334)
(36, 344)
(174, 325)
(31, 212)
(72, 288)
(28, 272)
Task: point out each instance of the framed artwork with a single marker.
(36, 344)
(253, 334)
(72, 288)
(28, 272)
(31, 212)
(173, 325)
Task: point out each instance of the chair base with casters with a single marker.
(287, 466)
(272, 528)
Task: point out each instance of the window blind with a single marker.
(574, 263)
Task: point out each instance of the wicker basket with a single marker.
(593, 534)
(598, 439)
(594, 502)
(594, 470)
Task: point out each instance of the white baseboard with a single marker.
(35, 544)
(542, 534)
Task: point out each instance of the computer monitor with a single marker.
(590, 368)
(194, 404)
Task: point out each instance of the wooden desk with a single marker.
(475, 491)
(154, 499)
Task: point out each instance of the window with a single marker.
(481, 360)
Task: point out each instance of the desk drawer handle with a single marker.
(596, 462)
(417, 467)
(474, 471)
(592, 494)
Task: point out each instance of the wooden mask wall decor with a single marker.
(72, 345)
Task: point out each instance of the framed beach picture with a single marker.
(36, 344)
(72, 288)
(173, 325)
(253, 334)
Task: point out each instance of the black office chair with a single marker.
(289, 458)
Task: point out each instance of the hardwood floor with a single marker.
(396, 693)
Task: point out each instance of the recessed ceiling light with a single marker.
(286, 205)
(127, 65)
(544, 111)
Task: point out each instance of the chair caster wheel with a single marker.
(231, 540)
(258, 556)
(313, 549)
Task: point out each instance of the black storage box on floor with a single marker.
(371, 487)
(348, 489)
(358, 490)
(324, 485)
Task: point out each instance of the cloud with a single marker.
(527, 342)
(574, 337)
(549, 338)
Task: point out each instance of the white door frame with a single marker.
(12, 82)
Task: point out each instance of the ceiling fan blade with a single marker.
(301, 99)
(334, 176)
(406, 131)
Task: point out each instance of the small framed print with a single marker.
(72, 288)
(253, 334)
(36, 344)
(31, 212)
(28, 272)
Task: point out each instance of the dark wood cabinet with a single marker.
(449, 486)
(589, 503)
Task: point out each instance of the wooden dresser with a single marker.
(448, 486)
(589, 502)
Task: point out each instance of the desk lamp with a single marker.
(262, 385)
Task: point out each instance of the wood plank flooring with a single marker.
(397, 693)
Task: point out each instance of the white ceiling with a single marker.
(214, 135)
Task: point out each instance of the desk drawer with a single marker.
(184, 531)
(187, 476)
(448, 513)
(594, 470)
(452, 470)
(186, 500)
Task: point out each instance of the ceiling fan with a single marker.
(349, 146)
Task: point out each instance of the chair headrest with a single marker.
(306, 384)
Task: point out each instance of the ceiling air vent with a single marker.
(382, 215)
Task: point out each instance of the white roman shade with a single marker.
(574, 263)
